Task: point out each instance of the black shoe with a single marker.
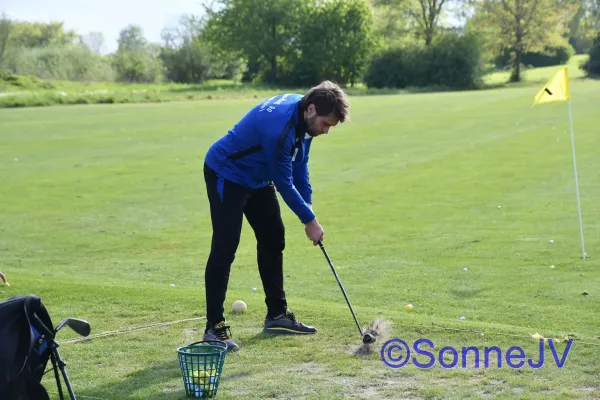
(286, 324)
(219, 332)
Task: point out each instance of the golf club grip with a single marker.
(341, 286)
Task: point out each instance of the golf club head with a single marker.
(368, 338)
(80, 326)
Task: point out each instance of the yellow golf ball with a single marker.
(199, 377)
(408, 308)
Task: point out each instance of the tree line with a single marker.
(382, 43)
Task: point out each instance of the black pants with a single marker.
(229, 202)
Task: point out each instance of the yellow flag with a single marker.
(557, 89)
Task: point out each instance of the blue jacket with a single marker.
(269, 144)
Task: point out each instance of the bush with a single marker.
(22, 82)
(581, 44)
(141, 65)
(552, 55)
(592, 65)
(394, 68)
(454, 61)
(63, 62)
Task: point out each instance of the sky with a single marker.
(106, 16)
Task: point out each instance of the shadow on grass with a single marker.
(259, 337)
(162, 376)
(466, 293)
(594, 77)
(165, 377)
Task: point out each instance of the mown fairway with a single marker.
(102, 208)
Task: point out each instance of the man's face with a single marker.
(317, 125)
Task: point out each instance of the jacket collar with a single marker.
(301, 127)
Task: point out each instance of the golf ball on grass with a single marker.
(408, 308)
(239, 306)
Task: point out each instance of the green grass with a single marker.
(538, 75)
(103, 207)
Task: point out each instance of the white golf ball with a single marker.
(462, 318)
(551, 241)
(465, 269)
(239, 306)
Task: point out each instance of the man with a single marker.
(267, 150)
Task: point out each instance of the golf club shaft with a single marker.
(341, 287)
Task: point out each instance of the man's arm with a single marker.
(279, 159)
(301, 176)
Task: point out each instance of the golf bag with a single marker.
(27, 343)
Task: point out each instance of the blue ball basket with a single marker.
(201, 365)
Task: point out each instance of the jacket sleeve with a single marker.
(277, 141)
(301, 175)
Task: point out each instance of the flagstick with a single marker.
(576, 180)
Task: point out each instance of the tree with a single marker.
(524, 26)
(592, 65)
(593, 13)
(587, 25)
(391, 22)
(5, 29)
(264, 32)
(132, 38)
(334, 42)
(39, 34)
(190, 58)
(94, 41)
(423, 15)
(136, 60)
(427, 18)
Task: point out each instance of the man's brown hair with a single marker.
(329, 99)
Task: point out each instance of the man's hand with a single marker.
(314, 231)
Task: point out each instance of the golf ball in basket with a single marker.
(239, 306)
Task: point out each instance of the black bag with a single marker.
(27, 343)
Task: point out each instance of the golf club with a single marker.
(366, 337)
(78, 325)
